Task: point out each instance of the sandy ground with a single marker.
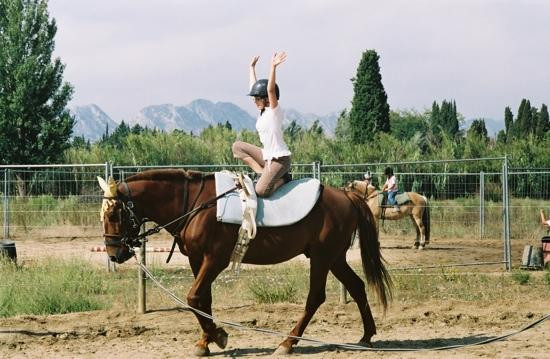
(169, 332)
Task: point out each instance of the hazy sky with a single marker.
(124, 55)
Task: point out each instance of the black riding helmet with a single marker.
(388, 171)
(259, 89)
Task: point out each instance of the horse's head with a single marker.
(121, 226)
(361, 187)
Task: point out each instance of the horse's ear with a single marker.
(103, 184)
(109, 188)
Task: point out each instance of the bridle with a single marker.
(129, 238)
(364, 193)
(133, 239)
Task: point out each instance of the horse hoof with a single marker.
(421, 248)
(282, 350)
(365, 343)
(415, 246)
(221, 338)
(201, 351)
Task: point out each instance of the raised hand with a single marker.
(254, 60)
(278, 58)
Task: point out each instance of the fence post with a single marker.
(506, 216)
(481, 204)
(111, 266)
(142, 283)
(318, 170)
(6, 206)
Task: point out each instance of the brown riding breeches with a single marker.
(271, 174)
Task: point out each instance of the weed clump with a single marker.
(521, 277)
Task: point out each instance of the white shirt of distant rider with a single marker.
(391, 184)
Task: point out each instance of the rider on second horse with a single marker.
(273, 160)
(391, 187)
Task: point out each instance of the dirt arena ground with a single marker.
(169, 332)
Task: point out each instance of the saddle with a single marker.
(287, 205)
(401, 199)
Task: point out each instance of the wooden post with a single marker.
(142, 295)
(343, 294)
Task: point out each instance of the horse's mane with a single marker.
(168, 175)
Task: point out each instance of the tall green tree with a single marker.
(524, 122)
(477, 129)
(35, 125)
(444, 120)
(543, 122)
(508, 122)
(370, 112)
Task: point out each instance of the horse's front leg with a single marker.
(200, 297)
(316, 297)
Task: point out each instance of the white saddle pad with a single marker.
(290, 203)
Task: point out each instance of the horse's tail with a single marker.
(375, 271)
(426, 219)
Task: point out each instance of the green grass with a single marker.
(54, 287)
(521, 277)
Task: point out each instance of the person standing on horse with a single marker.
(272, 161)
(391, 187)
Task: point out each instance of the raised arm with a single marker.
(252, 71)
(277, 59)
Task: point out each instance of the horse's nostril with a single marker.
(112, 258)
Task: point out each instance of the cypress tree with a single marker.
(370, 112)
(509, 122)
(523, 125)
(35, 125)
(543, 122)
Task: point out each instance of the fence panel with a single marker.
(51, 201)
(467, 209)
(529, 193)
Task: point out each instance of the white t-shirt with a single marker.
(270, 128)
(391, 184)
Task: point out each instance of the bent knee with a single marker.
(236, 148)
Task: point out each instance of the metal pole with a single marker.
(313, 168)
(6, 206)
(507, 218)
(319, 170)
(481, 204)
(111, 266)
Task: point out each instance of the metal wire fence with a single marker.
(472, 201)
(51, 200)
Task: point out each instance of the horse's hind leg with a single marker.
(200, 297)
(420, 229)
(317, 286)
(418, 239)
(356, 288)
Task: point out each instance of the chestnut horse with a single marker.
(417, 209)
(324, 236)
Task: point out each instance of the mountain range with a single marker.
(92, 122)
